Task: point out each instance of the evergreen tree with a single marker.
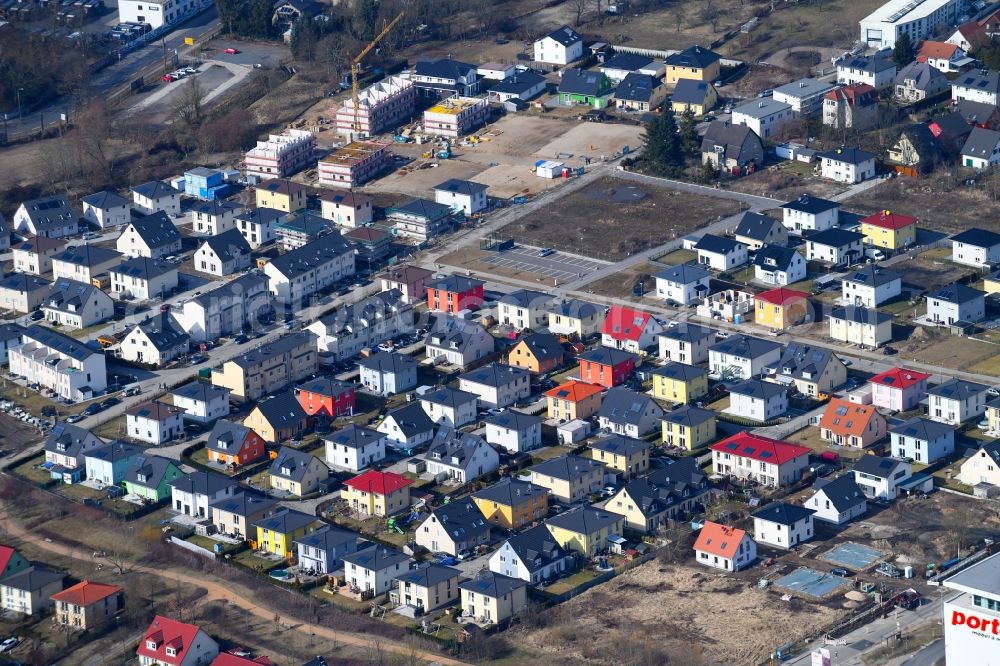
(690, 141)
(663, 152)
(903, 53)
(365, 19)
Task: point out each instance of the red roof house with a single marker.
(175, 643)
(87, 604)
(326, 397)
(724, 547)
(228, 659)
(629, 329)
(889, 220)
(898, 389)
(11, 561)
(379, 483)
(770, 462)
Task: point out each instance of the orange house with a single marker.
(538, 353)
(574, 400)
(326, 397)
(234, 444)
(851, 424)
(454, 293)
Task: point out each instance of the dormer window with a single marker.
(171, 651)
(152, 645)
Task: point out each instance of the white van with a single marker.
(875, 253)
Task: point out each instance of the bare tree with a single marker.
(579, 7)
(189, 105)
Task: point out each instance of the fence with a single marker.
(194, 548)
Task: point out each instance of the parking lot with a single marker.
(558, 265)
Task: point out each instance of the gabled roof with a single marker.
(71, 296)
(843, 417)
(492, 585)
(155, 230)
(155, 189)
(280, 186)
(328, 538)
(39, 244)
(620, 445)
(388, 362)
(687, 332)
(67, 440)
(286, 521)
(755, 225)
(293, 464)
(760, 448)
(988, 82)
(154, 410)
(992, 449)
(430, 575)
(940, 50)
(227, 436)
(50, 211)
(878, 466)
(956, 293)
(379, 483)
(454, 448)
(854, 94)
(244, 503)
(843, 492)
(574, 391)
(518, 83)
(510, 492)
(637, 87)
(202, 483)
(25, 283)
(608, 356)
(376, 558)
(114, 452)
(585, 520)
(847, 155)
(461, 519)
(514, 420)
(744, 346)
(228, 245)
(312, 255)
(717, 244)
(775, 257)
(60, 342)
(455, 283)
(457, 186)
(86, 255)
(721, 540)
(783, 513)
(163, 331)
(680, 371)
(690, 91)
(543, 346)
(807, 203)
(957, 389)
(86, 593)
(689, 416)
(625, 406)
(731, 138)
(201, 391)
(859, 315)
(683, 273)
(264, 216)
(804, 361)
(872, 275)
(411, 419)
(105, 200)
(922, 429)
(495, 375)
(536, 548)
(164, 632)
(623, 323)
(355, 436)
(921, 74)
(283, 345)
(975, 236)
(144, 268)
(148, 471)
(325, 386)
(32, 579)
(449, 397)
(889, 220)
(899, 378)
(976, 113)
(584, 82)
(693, 56)
(567, 467)
(780, 295)
(758, 388)
(565, 35)
(835, 237)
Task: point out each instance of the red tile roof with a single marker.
(623, 323)
(843, 417)
(760, 448)
(889, 220)
(932, 49)
(163, 631)
(574, 391)
(6, 552)
(900, 378)
(379, 483)
(226, 659)
(780, 296)
(858, 92)
(86, 593)
(721, 540)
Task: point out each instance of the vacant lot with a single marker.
(929, 271)
(695, 615)
(613, 219)
(787, 181)
(939, 206)
(619, 285)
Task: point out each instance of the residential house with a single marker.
(877, 70)
(625, 412)
(685, 343)
(767, 461)
(852, 106)
(919, 81)
(76, 305)
(257, 225)
(83, 263)
(607, 366)
(464, 196)
(694, 62)
(35, 254)
(512, 504)
(870, 286)
(977, 114)
(192, 494)
(326, 397)
(269, 368)
(993, 415)
(87, 605)
(683, 284)
(813, 370)
(231, 308)
(976, 247)
(956, 401)
(991, 283)
(201, 402)
(156, 197)
(299, 273)
(523, 309)
(585, 530)
(459, 456)
(809, 213)
(573, 400)
(766, 116)
(223, 254)
(619, 66)
(976, 86)
(688, 427)
(889, 230)
(238, 514)
(982, 149)
(724, 547)
(835, 246)
(519, 86)
(458, 342)
(149, 477)
(419, 219)
(534, 556)
(585, 87)
(407, 427)
(805, 96)
(860, 326)
(492, 598)
(108, 464)
(848, 423)
(10, 337)
(742, 356)
(428, 587)
(373, 568)
(346, 208)
(355, 448)
(375, 493)
(757, 400)
(922, 440)
(144, 279)
(514, 431)
(732, 148)
(277, 534)
(497, 385)
(777, 264)
(449, 406)
(30, 590)
(641, 92)
(574, 317)
(443, 78)
(297, 472)
(783, 525)
(323, 549)
(454, 293)
(66, 447)
(880, 478)
(388, 373)
(847, 165)
(560, 47)
(898, 389)
(281, 194)
(755, 230)
(943, 56)
(345, 331)
(720, 253)
(837, 501)
(780, 308)
(106, 210)
(627, 455)
(629, 329)
(453, 528)
(538, 353)
(278, 418)
(154, 236)
(168, 642)
(983, 466)
(679, 383)
(234, 444)
(410, 281)
(58, 362)
(956, 304)
(569, 478)
(698, 97)
(50, 217)
(916, 151)
(154, 422)
(211, 218)
(11, 561)
(154, 341)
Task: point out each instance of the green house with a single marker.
(585, 88)
(149, 477)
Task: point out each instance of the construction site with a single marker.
(456, 116)
(281, 155)
(354, 164)
(380, 107)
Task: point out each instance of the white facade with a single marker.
(207, 260)
(107, 217)
(555, 52)
(499, 395)
(169, 203)
(922, 450)
(196, 503)
(513, 439)
(684, 293)
(290, 285)
(60, 363)
(827, 511)
(972, 615)
(454, 416)
(97, 308)
(919, 20)
(832, 253)
(257, 230)
(954, 411)
(214, 223)
(142, 288)
(157, 13)
(468, 202)
(783, 536)
(746, 553)
(195, 409)
(948, 312)
(685, 351)
(758, 408)
(388, 382)
(798, 221)
(224, 310)
(879, 75)
(974, 255)
(764, 116)
(741, 367)
(506, 562)
(371, 323)
(483, 460)
(847, 172)
(869, 296)
(154, 431)
(790, 274)
(883, 488)
(355, 458)
(723, 261)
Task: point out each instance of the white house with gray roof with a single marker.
(625, 412)
(407, 427)
(720, 253)
(463, 196)
(533, 556)
(764, 115)
(837, 501)
(58, 362)
(809, 213)
(84, 262)
(685, 343)
(684, 284)
(192, 493)
(153, 236)
(804, 96)
(834, 246)
(497, 385)
(323, 549)
(956, 401)
(956, 303)
(847, 165)
(76, 304)
(758, 400)
(922, 440)
(155, 197)
(374, 567)
(202, 402)
(154, 341)
(982, 149)
(976, 247)
(388, 373)
(458, 342)
(877, 71)
(453, 528)
(777, 264)
(106, 210)
(756, 230)
(51, 217)
(870, 286)
(223, 254)
(298, 273)
(560, 47)
(355, 448)
(460, 456)
(524, 308)
(211, 218)
(143, 278)
(225, 310)
(514, 431)
(742, 356)
(450, 407)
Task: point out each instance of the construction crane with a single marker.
(356, 67)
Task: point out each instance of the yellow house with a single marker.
(569, 478)
(625, 454)
(648, 503)
(281, 194)
(679, 383)
(693, 63)
(698, 97)
(573, 400)
(428, 588)
(991, 283)
(860, 326)
(377, 493)
(575, 317)
(586, 530)
(297, 472)
(780, 308)
(993, 415)
(888, 230)
(491, 598)
(277, 533)
(512, 504)
(538, 353)
(689, 427)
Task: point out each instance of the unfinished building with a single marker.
(381, 106)
(281, 155)
(354, 164)
(456, 116)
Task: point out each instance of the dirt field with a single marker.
(700, 616)
(786, 183)
(15, 436)
(929, 271)
(615, 218)
(620, 284)
(939, 206)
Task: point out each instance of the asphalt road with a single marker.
(558, 265)
(931, 655)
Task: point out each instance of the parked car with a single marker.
(110, 402)
(74, 418)
(37, 315)
(133, 390)
(889, 351)
(198, 358)
(241, 339)
(92, 409)
(90, 235)
(231, 51)
(168, 78)
(546, 251)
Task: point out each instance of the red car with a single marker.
(167, 78)
(231, 51)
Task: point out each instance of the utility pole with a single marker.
(19, 103)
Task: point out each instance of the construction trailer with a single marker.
(354, 164)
